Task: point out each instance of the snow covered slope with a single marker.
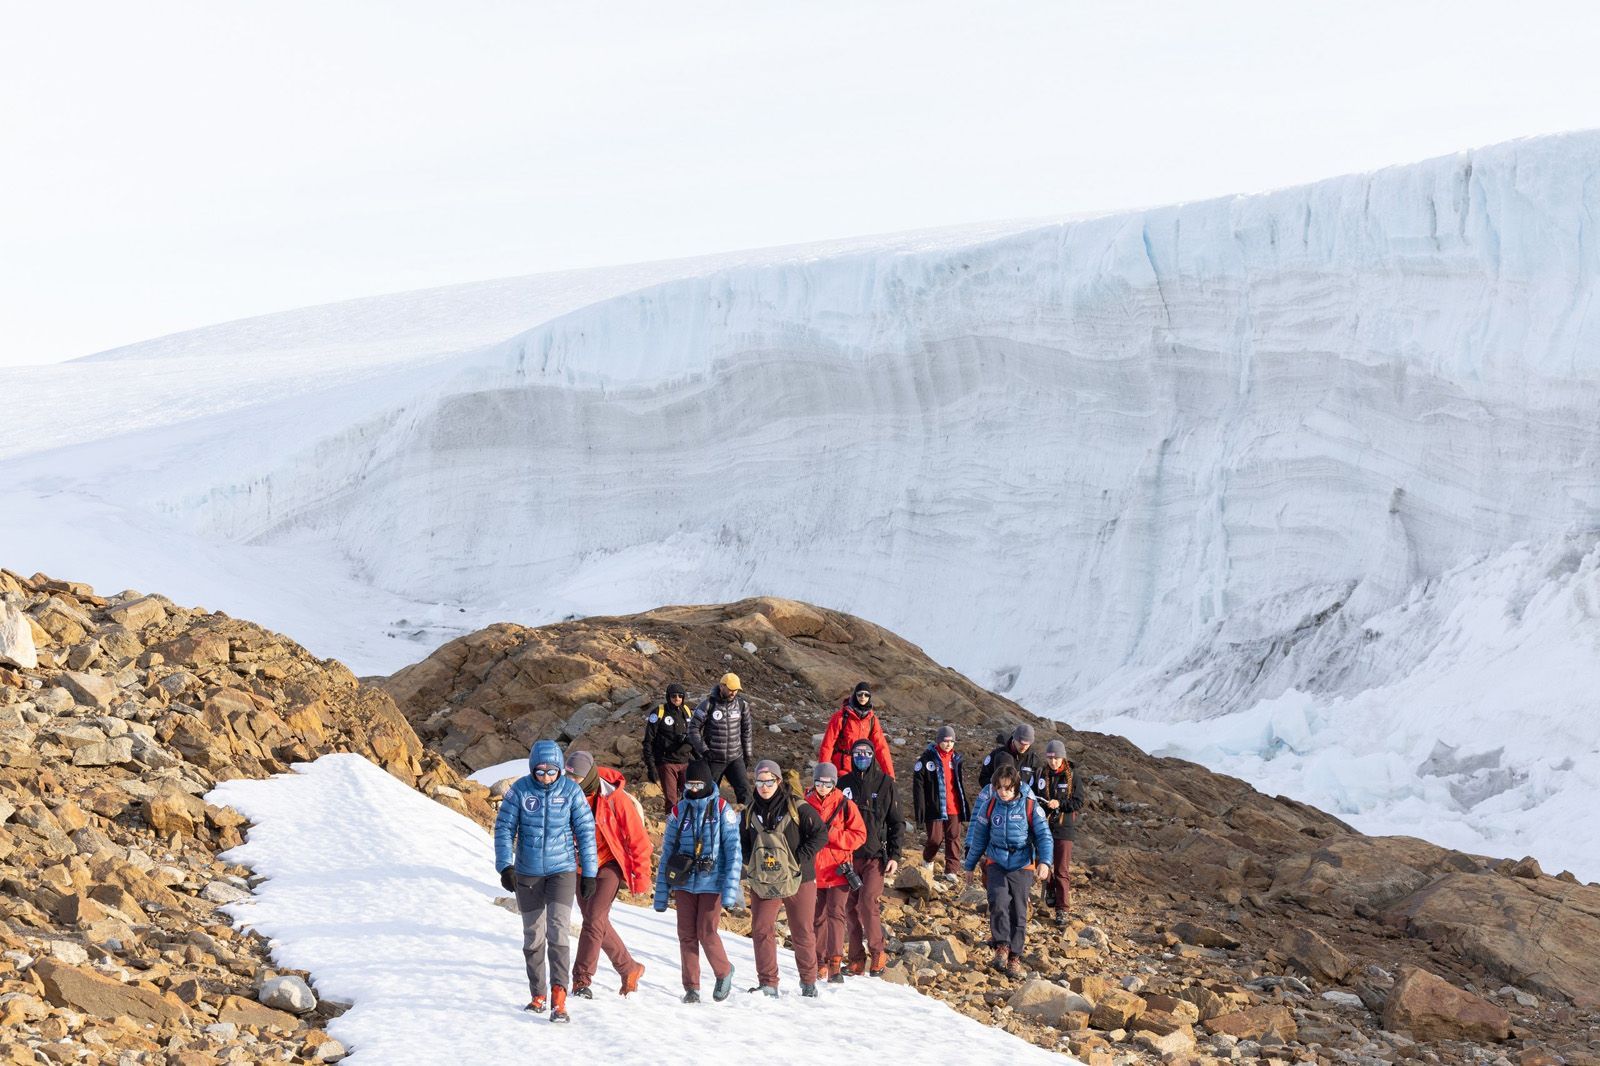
(388, 899)
(1329, 453)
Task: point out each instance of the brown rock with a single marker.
(1115, 1009)
(1255, 1022)
(1431, 1008)
(87, 991)
(243, 1011)
(91, 690)
(1203, 936)
(1372, 872)
(174, 811)
(1539, 934)
(138, 614)
(64, 623)
(1314, 956)
(195, 649)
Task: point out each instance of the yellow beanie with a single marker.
(731, 682)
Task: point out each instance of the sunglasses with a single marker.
(766, 782)
(675, 699)
(822, 786)
(546, 771)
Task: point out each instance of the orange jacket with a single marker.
(844, 729)
(620, 823)
(846, 833)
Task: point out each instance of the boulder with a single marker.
(84, 990)
(1540, 933)
(915, 879)
(287, 992)
(241, 1011)
(1115, 1009)
(1431, 1008)
(1203, 936)
(1040, 1000)
(138, 614)
(63, 623)
(90, 690)
(173, 810)
(1314, 956)
(16, 639)
(112, 752)
(1253, 1023)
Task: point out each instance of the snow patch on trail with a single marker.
(387, 898)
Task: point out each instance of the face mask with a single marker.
(696, 789)
(861, 761)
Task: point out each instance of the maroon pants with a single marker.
(598, 932)
(1060, 887)
(946, 834)
(864, 913)
(802, 911)
(830, 922)
(698, 915)
(671, 775)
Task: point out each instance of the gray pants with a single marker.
(546, 906)
(1008, 906)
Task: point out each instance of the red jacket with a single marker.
(844, 729)
(620, 822)
(846, 833)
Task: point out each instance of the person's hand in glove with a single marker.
(586, 888)
(650, 774)
(508, 879)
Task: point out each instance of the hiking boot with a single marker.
(857, 967)
(836, 970)
(1061, 919)
(558, 1004)
(1014, 968)
(998, 963)
(880, 963)
(724, 986)
(630, 983)
(536, 1005)
(692, 996)
(808, 991)
(582, 992)
(770, 991)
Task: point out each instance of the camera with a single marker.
(851, 878)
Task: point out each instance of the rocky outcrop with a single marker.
(131, 709)
(1429, 1008)
(1248, 926)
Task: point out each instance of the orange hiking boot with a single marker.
(558, 1004)
(536, 1005)
(858, 967)
(880, 962)
(630, 983)
(836, 970)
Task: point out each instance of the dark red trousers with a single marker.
(1060, 887)
(671, 776)
(832, 903)
(945, 834)
(801, 909)
(864, 926)
(598, 932)
(698, 915)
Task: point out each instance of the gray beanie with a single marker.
(1055, 749)
(825, 771)
(768, 765)
(1023, 732)
(947, 732)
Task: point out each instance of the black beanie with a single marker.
(676, 689)
(862, 686)
(699, 770)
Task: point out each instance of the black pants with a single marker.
(734, 773)
(1008, 905)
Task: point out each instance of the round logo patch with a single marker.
(916, 766)
(847, 792)
(667, 719)
(653, 718)
(530, 803)
(717, 715)
(998, 820)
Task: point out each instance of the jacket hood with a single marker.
(610, 777)
(547, 752)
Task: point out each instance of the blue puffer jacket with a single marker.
(1004, 833)
(547, 826)
(718, 840)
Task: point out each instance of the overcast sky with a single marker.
(169, 165)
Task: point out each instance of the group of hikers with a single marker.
(571, 831)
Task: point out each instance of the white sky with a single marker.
(166, 165)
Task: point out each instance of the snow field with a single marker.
(387, 898)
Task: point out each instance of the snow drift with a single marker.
(1326, 456)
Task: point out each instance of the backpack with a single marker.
(772, 869)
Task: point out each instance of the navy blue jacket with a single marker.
(1005, 834)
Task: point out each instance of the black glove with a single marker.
(508, 879)
(650, 772)
(586, 888)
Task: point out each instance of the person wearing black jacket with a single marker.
(667, 750)
(1019, 747)
(939, 799)
(722, 732)
(776, 807)
(1060, 791)
(873, 792)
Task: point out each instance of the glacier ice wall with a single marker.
(1058, 459)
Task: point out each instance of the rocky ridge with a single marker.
(1212, 923)
(117, 715)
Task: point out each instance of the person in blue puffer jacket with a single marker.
(1010, 835)
(543, 842)
(703, 827)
